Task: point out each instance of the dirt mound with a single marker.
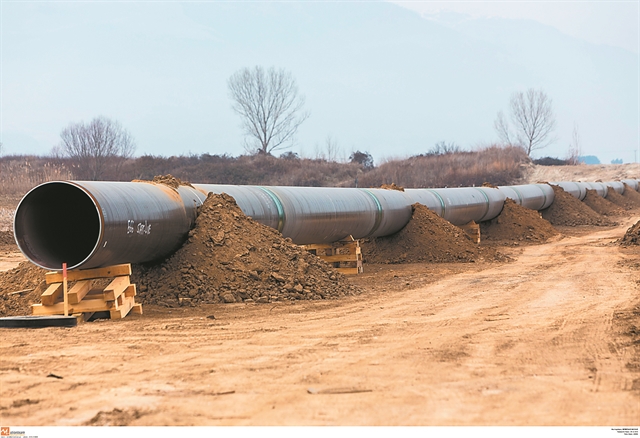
(601, 205)
(631, 196)
(517, 224)
(619, 200)
(230, 258)
(19, 288)
(632, 236)
(568, 210)
(167, 180)
(392, 186)
(426, 238)
(7, 241)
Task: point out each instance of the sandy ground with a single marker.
(582, 172)
(532, 342)
(551, 338)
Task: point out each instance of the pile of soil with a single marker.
(228, 257)
(632, 236)
(570, 211)
(601, 205)
(619, 200)
(517, 224)
(167, 180)
(426, 238)
(7, 241)
(631, 195)
(19, 288)
(392, 186)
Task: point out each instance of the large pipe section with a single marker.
(533, 196)
(321, 214)
(460, 205)
(89, 224)
(579, 189)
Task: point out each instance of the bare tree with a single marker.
(533, 120)
(501, 126)
(269, 105)
(100, 145)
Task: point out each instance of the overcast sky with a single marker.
(377, 77)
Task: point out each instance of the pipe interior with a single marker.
(57, 223)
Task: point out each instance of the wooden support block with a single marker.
(83, 317)
(85, 274)
(130, 291)
(348, 271)
(340, 258)
(315, 246)
(123, 309)
(52, 294)
(83, 306)
(116, 288)
(473, 230)
(118, 298)
(78, 291)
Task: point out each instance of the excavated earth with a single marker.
(570, 211)
(631, 195)
(517, 225)
(230, 258)
(426, 238)
(619, 200)
(632, 236)
(601, 205)
(549, 339)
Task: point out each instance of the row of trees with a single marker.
(271, 110)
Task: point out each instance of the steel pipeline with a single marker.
(89, 224)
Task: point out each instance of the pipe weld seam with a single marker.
(379, 212)
(279, 207)
(488, 203)
(442, 204)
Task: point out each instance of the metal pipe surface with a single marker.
(321, 214)
(631, 183)
(533, 196)
(461, 205)
(575, 189)
(89, 224)
(617, 186)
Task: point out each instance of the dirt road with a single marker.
(542, 340)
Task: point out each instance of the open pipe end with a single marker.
(55, 223)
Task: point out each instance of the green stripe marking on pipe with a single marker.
(279, 207)
(518, 193)
(488, 203)
(442, 204)
(379, 212)
(544, 195)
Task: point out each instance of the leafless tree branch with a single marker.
(97, 145)
(269, 106)
(533, 119)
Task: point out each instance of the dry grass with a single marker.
(19, 174)
(493, 164)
